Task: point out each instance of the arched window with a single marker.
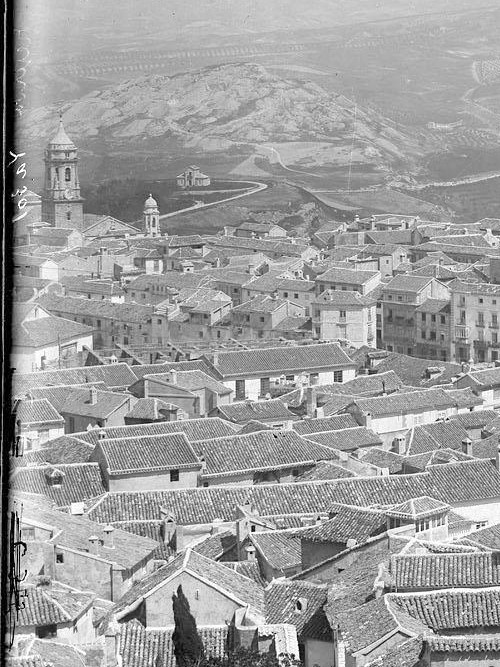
(67, 174)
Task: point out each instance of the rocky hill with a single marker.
(219, 107)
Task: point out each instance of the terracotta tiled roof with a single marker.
(140, 647)
(455, 483)
(348, 523)
(325, 470)
(384, 459)
(417, 462)
(51, 605)
(113, 375)
(280, 548)
(79, 401)
(333, 423)
(348, 440)
(365, 624)
(151, 369)
(190, 381)
(417, 508)
(80, 481)
(64, 449)
(264, 450)
(218, 546)
(244, 411)
(488, 537)
(38, 411)
(121, 312)
(451, 609)
(301, 604)
(46, 330)
(475, 643)
(487, 378)
(73, 532)
(195, 429)
(297, 358)
(413, 371)
(406, 654)
(425, 438)
(453, 570)
(412, 401)
(243, 589)
(151, 409)
(247, 568)
(155, 452)
(346, 275)
(476, 418)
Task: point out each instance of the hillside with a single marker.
(224, 109)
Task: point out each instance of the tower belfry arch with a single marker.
(62, 203)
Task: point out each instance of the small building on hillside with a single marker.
(193, 177)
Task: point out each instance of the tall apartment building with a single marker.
(475, 316)
(400, 299)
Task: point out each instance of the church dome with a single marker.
(61, 138)
(150, 202)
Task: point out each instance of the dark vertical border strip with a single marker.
(9, 141)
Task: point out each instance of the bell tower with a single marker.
(151, 217)
(62, 204)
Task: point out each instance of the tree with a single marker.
(188, 647)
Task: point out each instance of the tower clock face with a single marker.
(67, 193)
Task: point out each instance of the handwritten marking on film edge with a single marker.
(17, 550)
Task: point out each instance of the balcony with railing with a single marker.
(480, 323)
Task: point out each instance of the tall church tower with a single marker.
(151, 217)
(62, 205)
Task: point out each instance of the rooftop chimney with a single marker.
(467, 446)
(311, 404)
(250, 552)
(93, 396)
(399, 444)
(108, 537)
(173, 376)
(93, 544)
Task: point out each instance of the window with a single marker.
(68, 215)
(59, 558)
(264, 386)
(494, 337)
(28, 534)
(480, 318)
(125, 340)
(433, 318)
(240, 390)
(338, 376)
(218, 334)
(422, 334)
(295, 296)
(389, 297)
(400, 297)
(443, 319)
(67, 174)
(45, 631)
(295, 472)
(200, 334)
(494, 319)
(98, 324)
(158, 321)
(197, 594)
(423, 317)
(285, 295)
(174, 475)
(252, 528)
(432, 335)
(342, 314)
(262, 319)
(481, 300)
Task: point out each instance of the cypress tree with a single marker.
(188, 647)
